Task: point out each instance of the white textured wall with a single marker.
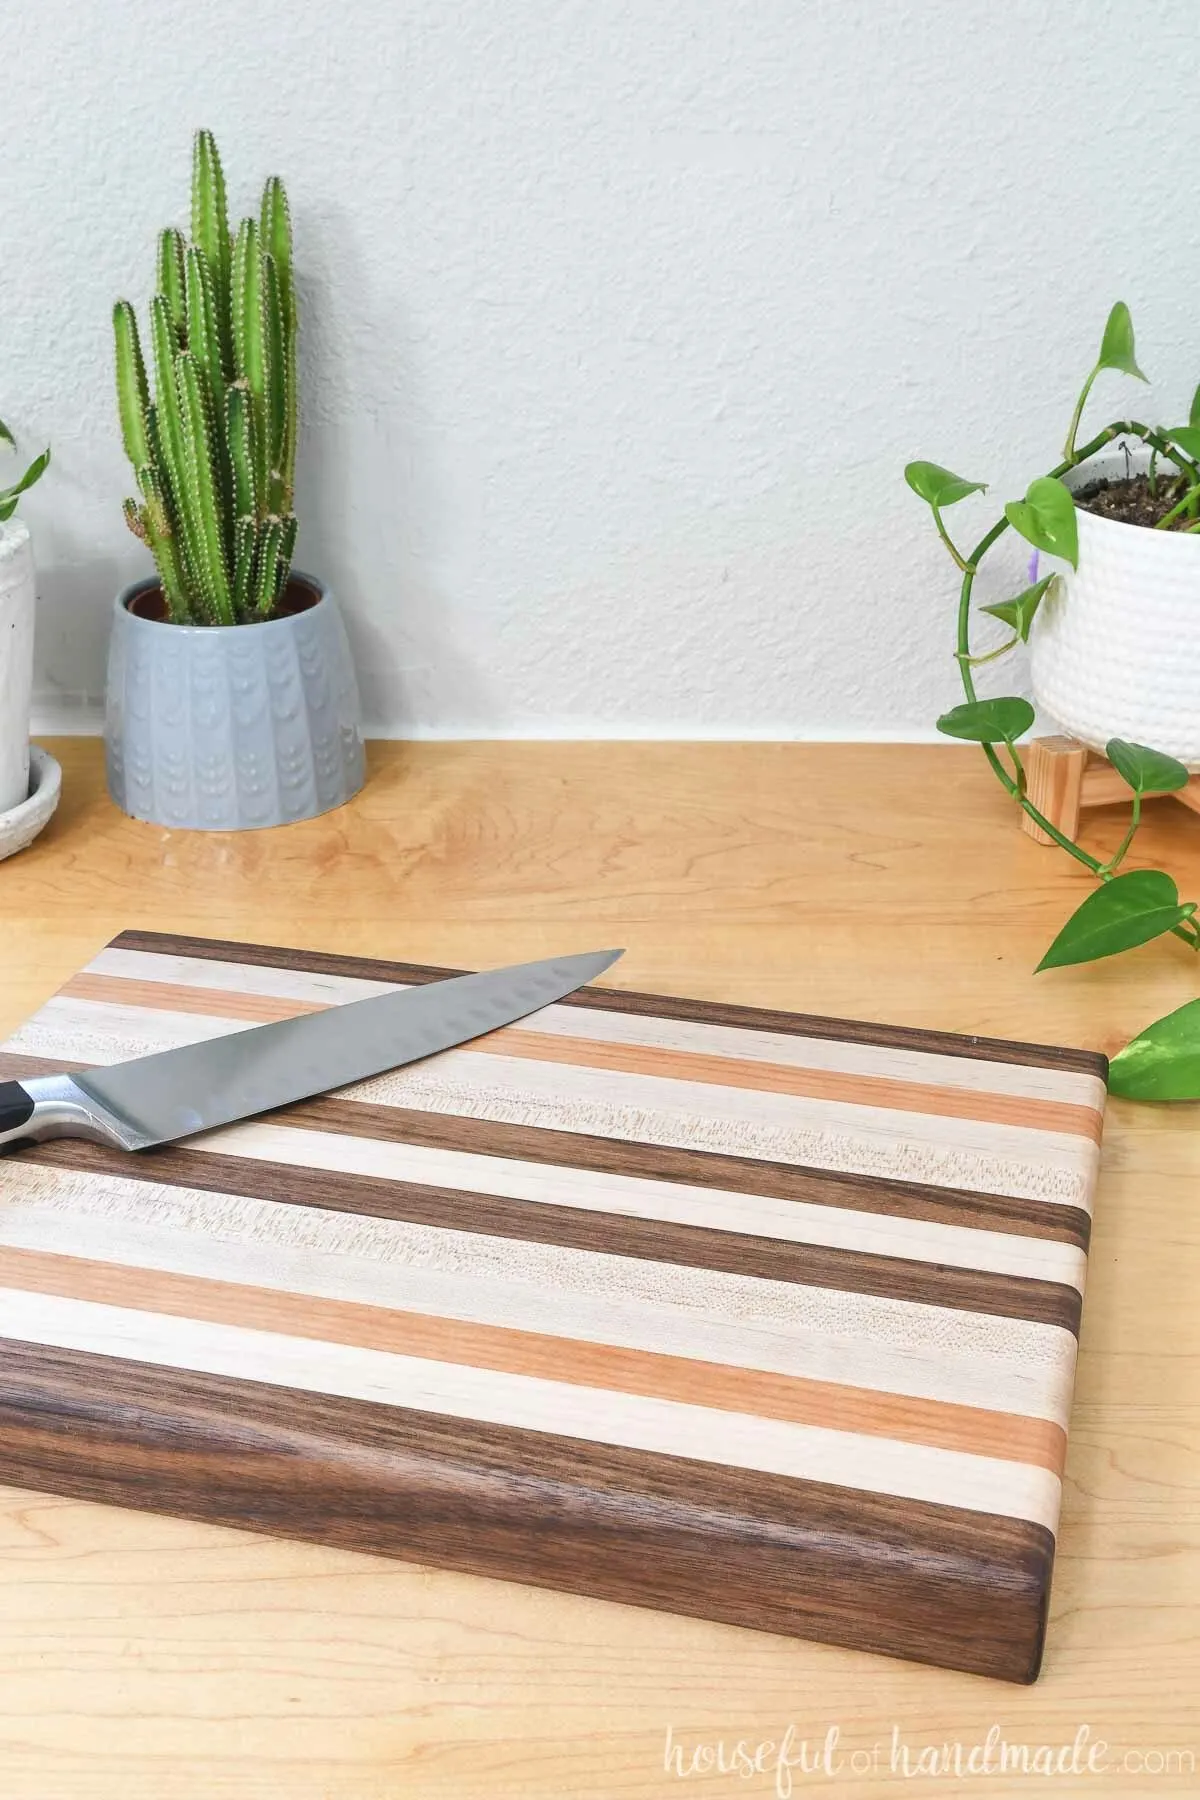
(620, 319)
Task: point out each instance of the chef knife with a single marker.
(155, 1099)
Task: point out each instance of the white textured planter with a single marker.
(20, 825)
(1116, 645)
(16, 662)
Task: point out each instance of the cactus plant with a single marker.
(214, 449)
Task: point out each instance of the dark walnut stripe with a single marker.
(688, 1246)
(907, 1578)
(663, 1006)
(695, 1168)
(655, 1162)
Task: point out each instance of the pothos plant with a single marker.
(1127, 907)
(37, 468)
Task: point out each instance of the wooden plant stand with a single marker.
(1064, 777)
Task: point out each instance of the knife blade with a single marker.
(156, 1099)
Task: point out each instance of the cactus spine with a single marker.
(214, 449)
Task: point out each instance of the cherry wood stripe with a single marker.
(178, 997)
(886, 1092)
(971, 1430)
(698, 1168)
(668, 1006)
(941, 1584)
(735, 1253)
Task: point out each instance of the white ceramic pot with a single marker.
(1116, 645)
(16, 662)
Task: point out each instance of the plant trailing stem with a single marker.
(1014, 784)
(1073, 427)
(946, 538)
(988, 656)
(1135, 818)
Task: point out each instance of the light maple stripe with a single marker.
(223, 976)
(943, 1152)
(91, 1032)
(704, 1063)
(629, 1196)
(637, 1029)
(901, 1347)
(940, 1151)
(639, 1422)
(612, 1367)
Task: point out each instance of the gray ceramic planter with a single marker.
(232, 727)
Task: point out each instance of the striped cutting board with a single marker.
(766, 1318)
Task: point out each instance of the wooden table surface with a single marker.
(144, 1657)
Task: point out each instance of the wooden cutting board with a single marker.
(765, 1318)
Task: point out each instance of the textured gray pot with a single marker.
(232, 727)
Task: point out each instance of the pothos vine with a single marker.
(1128, 907)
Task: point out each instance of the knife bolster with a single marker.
(55, 1106)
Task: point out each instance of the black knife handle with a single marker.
(16, 1108)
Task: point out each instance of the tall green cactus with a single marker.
(214, 449)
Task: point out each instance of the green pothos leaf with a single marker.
(1186, 436)
(988, 721)
(1146, 771)
(1162, 1062)
(10, 495)
(1126, 911)
(939, 487)
(1116, 346)
(1046, 518)
(1020, 610)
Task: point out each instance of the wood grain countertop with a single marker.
(142, 1656)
